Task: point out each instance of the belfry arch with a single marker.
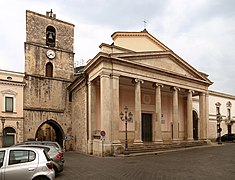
(50, 130)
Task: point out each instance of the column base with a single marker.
(138, 142)
(190, 140)
(90, 147)
(158, 142)
(117, 149)
(175, 140)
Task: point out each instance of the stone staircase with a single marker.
(151, 147)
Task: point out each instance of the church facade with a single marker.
(139, 72)
(135, 89)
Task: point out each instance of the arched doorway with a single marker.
(195, 125)
(9, 136)
(50, 131)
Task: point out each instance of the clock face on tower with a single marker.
(50, 54)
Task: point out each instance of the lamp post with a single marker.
(219, 129)
(127, 117)
(3, 123)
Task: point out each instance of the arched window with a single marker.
(8, 136)
(49, 70)
(50, 36)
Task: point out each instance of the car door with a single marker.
(2, 156)
(22, 164)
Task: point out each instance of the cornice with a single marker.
(49, 78)
(47, 47)
(223, 95)
(44, 16)
(12, 83)
(142, 33)
(44, 109)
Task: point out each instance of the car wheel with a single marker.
(56, 170)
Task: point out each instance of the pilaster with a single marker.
(91, 114)
(202, 109)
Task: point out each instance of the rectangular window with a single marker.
(21, 156)
(9, 104)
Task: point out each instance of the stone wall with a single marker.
(79, 116)
(36, 25)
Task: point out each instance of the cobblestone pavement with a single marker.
(207, 163)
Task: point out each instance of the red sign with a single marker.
(102, 133)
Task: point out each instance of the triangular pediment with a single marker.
(165, 61)
(138, 41)
(8, 91)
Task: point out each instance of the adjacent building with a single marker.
(11, 105)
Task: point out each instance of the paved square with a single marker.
(215, 163)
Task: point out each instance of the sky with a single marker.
(202, 32)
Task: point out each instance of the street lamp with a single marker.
(219, 129)
(127, 118)
(3, 123)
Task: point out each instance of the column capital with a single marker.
(155, 85)
(136, 80)
(190, 91)
(114, 76)
(202, 94)
(104, 74)
(174, 88)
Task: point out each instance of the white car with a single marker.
(25, 163)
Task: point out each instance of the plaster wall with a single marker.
(11, 85)
(137, 44)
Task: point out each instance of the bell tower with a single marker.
(49, 40)
(49, 69)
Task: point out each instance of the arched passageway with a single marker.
(50, 131)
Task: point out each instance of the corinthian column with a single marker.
(137, 115)
(189, 116)
(158, 111)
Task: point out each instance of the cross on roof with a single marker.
(50, 13)
(145, 24)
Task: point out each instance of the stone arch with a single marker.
(50, 130)
(50, 36)
(49, 69)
